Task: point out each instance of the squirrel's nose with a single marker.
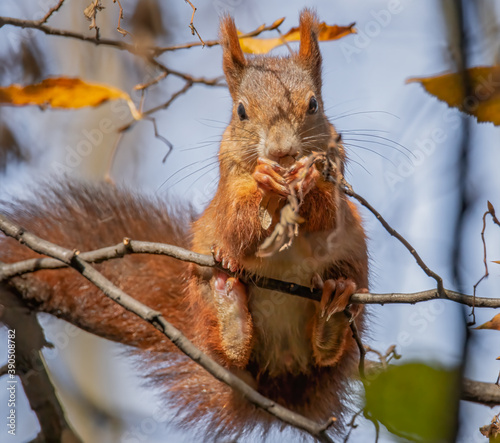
(281, 142)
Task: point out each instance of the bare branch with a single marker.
(176, 94)
(209, 43)
(349, 191)
(10, 270)
(153, 51)
(74, 260)
(191, 25)
(31, 24)
(30, 367)
(50, 12)
(479, 392)
(216, 81)
(359, 343)
(491, 211)
(120, 17)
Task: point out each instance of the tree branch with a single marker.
(74, 260)
(210, 43)
(128, 246)
(152, 51)
(486, 393)
(349, 191)
(479, 392)
(31, 370)
(40, 26)
(148, 53)
(50, 12)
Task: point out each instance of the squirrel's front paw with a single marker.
(302, 176)
(269, 177)
(224, 259)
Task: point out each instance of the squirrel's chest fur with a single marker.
(282, 322)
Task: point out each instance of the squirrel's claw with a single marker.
(336, 296)
(302, 176)
(226, 262)
(269, 177)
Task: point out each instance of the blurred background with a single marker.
(404, 146)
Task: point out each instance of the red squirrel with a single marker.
(295, 351)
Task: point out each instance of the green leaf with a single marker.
(415, 400)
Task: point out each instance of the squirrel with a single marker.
(297, 352)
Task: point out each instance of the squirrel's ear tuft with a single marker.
(309, 54)
(233, 60)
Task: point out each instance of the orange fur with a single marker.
(286, 349)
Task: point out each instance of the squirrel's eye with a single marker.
(241, 112)
(313, 105)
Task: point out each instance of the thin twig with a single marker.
(120, 16)
(169, 145)
(347, 188)
(352, 425)
(176, 94)
(210, 43)
(357, 339)
(74, 259)
(50, 12)
(285, 42)
(216, 81)
(491, 211)
(191, 24)
(142, 86)
(165, 105)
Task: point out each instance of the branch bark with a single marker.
(73, 259)
(31, 370)
(128, 246)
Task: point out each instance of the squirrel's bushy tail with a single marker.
(87, 217)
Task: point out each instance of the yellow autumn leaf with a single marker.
(484, 99)
(64, 92)
(252, 45)
(497, 262)
(494, 323)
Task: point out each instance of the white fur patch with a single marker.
(281, 320)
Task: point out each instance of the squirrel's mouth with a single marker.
(287, 161)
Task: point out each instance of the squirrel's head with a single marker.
(277, 104)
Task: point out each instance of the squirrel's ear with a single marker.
(233, 60)
(309, 54)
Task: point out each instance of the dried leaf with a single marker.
(252, 45)
(484, 103)
(494, 323)
(492, 431)
(497, 262)
(491, 208)
(284, 232)
(63, 92)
